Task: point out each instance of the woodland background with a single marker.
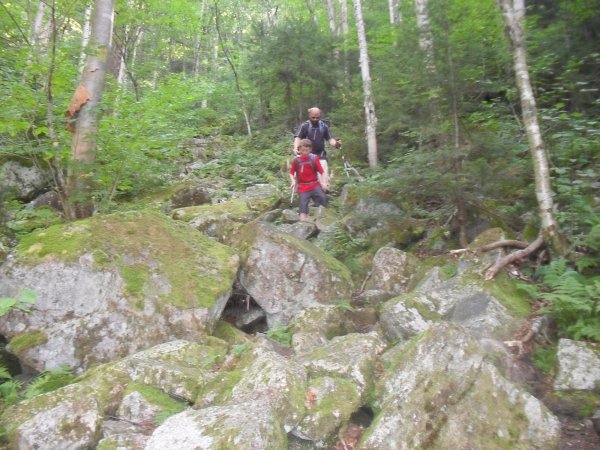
(443, 111)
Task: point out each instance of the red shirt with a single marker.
(307, 178)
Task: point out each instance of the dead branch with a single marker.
(515, 256)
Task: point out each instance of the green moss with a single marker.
(448, 271)
(506, 290)
(235, 209)
(108, 444)
(64, 242)
(135, 243)
(580, 404)
(135, 277)
(317, 254)
(410, 302)
(218, 390)
(156, 397)
(22, 342)
(229, 333)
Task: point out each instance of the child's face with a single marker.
(305, 149)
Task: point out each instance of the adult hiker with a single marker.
(318, 132)
(303, 176)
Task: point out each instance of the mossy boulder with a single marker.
(221, 221)
(330, 403)
(109, 286)
(438, 391)
(285, 274)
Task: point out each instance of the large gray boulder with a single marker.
(110, 286)
(285, 274)
(25, 182)
(578, 365)
(392, 273)
(486, 309)
(77, 416)
(438, 391)
(251, 424)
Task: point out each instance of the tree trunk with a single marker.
(83, 147)
(425, 35)
(370, 118)
(513, 12)
(85, 37)
(331, 16)
(395, 16)
(345, 30)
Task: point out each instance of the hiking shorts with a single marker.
(317, 194)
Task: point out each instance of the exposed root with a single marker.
(515, 256)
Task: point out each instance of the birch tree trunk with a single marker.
(87, 97)
(345, 30)
(344, 17)
(370, 118)
(513, 12)
(331, 16)
(37, 25)
(85, 37)
(395, 16)
(425, 34)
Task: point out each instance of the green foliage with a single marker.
(281, 333)
(344, 305)
(23, 301)
(337, 241)
(139, 143)
(239, 349)
(50, 380)
(25, 220)
(544, 359)
(572, 300)
(245, 165)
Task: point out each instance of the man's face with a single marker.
(314, 118)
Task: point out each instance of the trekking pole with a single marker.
(292, 196)
(349, 168)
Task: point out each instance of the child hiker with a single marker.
(304, 169)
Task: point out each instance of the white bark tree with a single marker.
(513, 12)
(85, 36)
(38, 31)
(395, 15)
(370, 117)
(85, 104)
(331, 17)
(425, 34)
(344, 17)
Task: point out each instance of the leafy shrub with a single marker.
(572, 300)
(23, 301)
(50, 380)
